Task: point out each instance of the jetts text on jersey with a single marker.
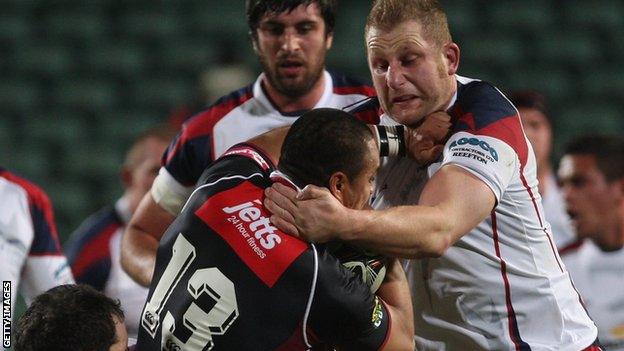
(248, 217)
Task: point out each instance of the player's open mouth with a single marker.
(404, 98)
(290, 67)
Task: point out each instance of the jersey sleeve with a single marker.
(15, 236)
(489, 159)
(46, 265)
(191, 152)
(88, 249)
(344, 311)
(487, 139)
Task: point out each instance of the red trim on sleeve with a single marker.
(38, 198)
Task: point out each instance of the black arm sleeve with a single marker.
(344, 312)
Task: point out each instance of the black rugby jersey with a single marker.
(227, 279)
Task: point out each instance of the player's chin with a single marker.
(407, 115)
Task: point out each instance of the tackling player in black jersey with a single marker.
(227, 279)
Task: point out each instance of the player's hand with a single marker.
(313, 214)
(426, 142)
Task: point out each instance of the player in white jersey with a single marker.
(592, 178)
(291, 40)
(490, 277)
(94, 248)
(538, 127)
(30, 253)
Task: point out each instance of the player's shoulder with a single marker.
(36, 195)
(483, 100)
(203, 122)
(346, 84)
(242, 163)
(102, 223)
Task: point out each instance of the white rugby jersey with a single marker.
(94, 253)
(30, 254)
(598, 276)
(235, 118)
(501, 286)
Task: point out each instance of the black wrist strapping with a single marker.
(391, 140)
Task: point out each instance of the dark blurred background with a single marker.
(81, 79)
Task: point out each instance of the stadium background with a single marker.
(82, 78)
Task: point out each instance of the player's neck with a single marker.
(289, 104)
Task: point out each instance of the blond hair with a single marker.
(386, 14)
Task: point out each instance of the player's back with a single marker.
(226, 277)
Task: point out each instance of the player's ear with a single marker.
(451, 55)
(329, 40)
(254, 41)
(338, 184)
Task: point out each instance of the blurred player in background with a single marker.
(94, 248)
(30, 253)
(72, 317)
(592, 177)
(241, 284)
(291, 40)
(489, 275)
(538, 127)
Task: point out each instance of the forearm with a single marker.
(395, 293)
(140, 241)
(404, 231)
(138, 255)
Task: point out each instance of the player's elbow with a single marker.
(438, 240)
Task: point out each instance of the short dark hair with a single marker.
(533, 100)
(607, 149)
(321, 142)
(256, 9)
(69, 317)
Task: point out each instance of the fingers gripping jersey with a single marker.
(226, 279)
(30, 253)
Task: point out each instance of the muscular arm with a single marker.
(452, 203)
(140, 241)
(395, 293)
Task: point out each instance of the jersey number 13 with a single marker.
(202, 324)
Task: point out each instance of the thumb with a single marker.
(310, 192)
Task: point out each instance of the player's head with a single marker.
(536, 123)
(72, 317)
(592, 178)
(143, 161)
(412, 58)
(331, 148)
(291, 39)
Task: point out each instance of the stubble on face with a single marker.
(409, 72)
(294, 72)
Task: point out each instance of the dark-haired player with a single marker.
(291, 40)
(72, 317)
(227, 279)
(591, 172)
